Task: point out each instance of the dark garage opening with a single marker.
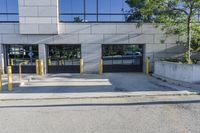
(18, 53)
(63, 58)
(122, 57)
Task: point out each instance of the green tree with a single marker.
(178, 17)
(136, 13)
(196, 38)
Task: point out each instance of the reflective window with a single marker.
(90, 6)
(122, 54)
(21, 53)
(9, 11)
(62, 55)
(93, 10)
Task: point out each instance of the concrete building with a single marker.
(44, 29)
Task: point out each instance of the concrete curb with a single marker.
(185, 85)
(49, 96)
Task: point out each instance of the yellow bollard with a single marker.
(20, 69)
(148, 65)
(9, 73)
(101, 67)
(63, 62)
(41, 67)
(81, 66)
(20, 72)
(11, 62)
(1, 79)
(37, 67)
(49, 62)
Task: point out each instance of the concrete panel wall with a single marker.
(38, 16)
(2, 57)
(42, 55)
(91, 35)
(180, 72)
(91, 55)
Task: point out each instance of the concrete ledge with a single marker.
(179, 84)
(176, 71)
(46, 96)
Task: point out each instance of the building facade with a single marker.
(58, 33)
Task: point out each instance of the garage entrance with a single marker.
(122, 58)
(16, 54)
(63, 58)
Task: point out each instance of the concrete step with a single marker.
(66, 82)
(69, 80)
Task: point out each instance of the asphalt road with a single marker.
(117, 115)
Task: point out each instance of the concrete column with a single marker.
(38, 16)
(2, 57)
(91, 54)
(43, 55)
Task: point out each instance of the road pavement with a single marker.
(172, 114)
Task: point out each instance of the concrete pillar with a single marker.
(91, 54)
(2, 57)
(43, 55)
(38, 16)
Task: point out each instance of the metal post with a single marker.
(148, 65)
(37, 67)
(49, 62)
(1, 79)
(20, 72)
(9, 73)
(62, 62)
(41, 67)
(101, 67)
(81, 66)
(11, 62)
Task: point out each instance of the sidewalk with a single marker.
(48, 96)
(110, 85)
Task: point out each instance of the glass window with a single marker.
(116, 6)
(104, 6)
(20, 53)
(12, 6)
(9, 10)
(122, 54)
(90, 6)
(111, 6)
(91, 18)
(71, 6)
(60, 55)
(93, 10)
(72, 10)
(3, 6)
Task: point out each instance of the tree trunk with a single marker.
(189, 39)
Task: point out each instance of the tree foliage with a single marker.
(178, 16)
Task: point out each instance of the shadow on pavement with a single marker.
(109, 82)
